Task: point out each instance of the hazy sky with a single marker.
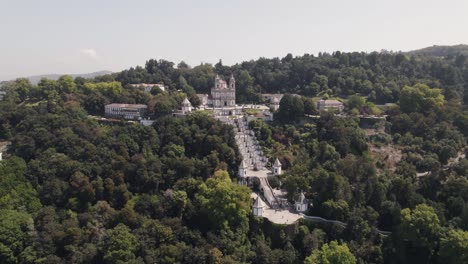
(64, 36)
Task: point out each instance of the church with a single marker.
(223, 94)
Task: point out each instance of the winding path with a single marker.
(461, 155)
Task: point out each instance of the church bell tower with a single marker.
(232, 82)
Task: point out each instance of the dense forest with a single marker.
(76, 189)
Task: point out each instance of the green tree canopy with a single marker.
(15, 191)
(421, 225)
(332, 253)
(14, 228)
(454, 247)
(119, 245)
(226, 203)
(291, 109)
(420, 98)
(418, 234)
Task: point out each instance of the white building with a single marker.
(1, 155)
(301, 204)
(275, 104)
(277, 167)
(186, 106)
(258, 207)
(185, 109)
(330, 105)
(224, 94)
(126, 111)
(146, 122)
(268, 97)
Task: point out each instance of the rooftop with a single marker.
(302, 198)
(331, 102)
(186, 102)
(137, 106)
(277, 163)
(258, 203)
(243, 165)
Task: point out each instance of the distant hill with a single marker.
(441, 51)
(37, 78)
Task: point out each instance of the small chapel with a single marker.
(301, 204)
(258, 207)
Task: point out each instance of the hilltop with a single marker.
(441, 51)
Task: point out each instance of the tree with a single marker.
(420, 98)
(332, 253)
(119, 245)
(291, 108)
(335, 210)
(22, 86)
(15, 190)
(175, 202)
(454, 247)
(356, 102)
(419, 232)
(47, 87)
(14, 228)
(161, 104)
(195, 100)
(226, 203)
(421, 225)
(81, 188)
(185, 87)
(67, 85)
(309, 106)
(215, 256)
(110, 89)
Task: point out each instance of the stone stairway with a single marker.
(252, 155)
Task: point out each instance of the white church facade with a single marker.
(223, 94)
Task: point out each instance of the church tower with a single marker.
(232, 83)
(217, 82)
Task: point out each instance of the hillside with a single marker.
(79, 188)
(441, 51)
